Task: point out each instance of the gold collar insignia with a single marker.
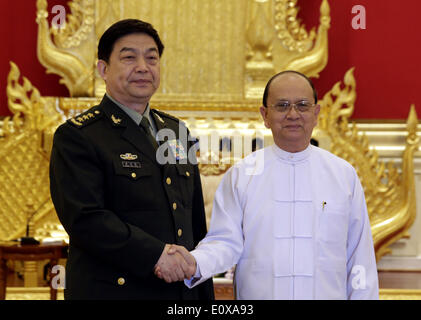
(115, 120)
(159, 117)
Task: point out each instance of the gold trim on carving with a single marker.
(400, 294)
(78, 27)
(31, 293)
(289, 30)
(76, 70)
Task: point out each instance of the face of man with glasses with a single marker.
(291, 112)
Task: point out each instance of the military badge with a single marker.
(177, 149)
(128, 156)
(131, 164)
(85, 118)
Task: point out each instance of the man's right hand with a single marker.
(175, 264)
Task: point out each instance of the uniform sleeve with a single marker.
(223, 244)
(199, 215)
(206, 291)
(362, 283)
(77, 190)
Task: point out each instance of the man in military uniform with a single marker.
(120, 206)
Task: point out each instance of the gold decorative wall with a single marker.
(216, 50)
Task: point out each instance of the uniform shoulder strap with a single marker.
(86, 117)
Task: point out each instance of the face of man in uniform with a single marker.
(292, 129)
(132, 74)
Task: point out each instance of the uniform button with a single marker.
(180, 232)
(168, 181)
(97, 112)
(133, 175)
(121, 281)
(174, 206)
(187, 173)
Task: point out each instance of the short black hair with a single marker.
(123, 28)
(266, 92)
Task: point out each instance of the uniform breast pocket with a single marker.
(131, 170)
(133, 187)
(333, 223)
(186, 180)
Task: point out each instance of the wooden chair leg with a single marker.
(3, 279)
(53, 291)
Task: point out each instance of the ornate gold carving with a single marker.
(78, 26)
(298, 50)
(259, 62)
(51, 231)
(397, 211)
(34, 293)
(107, 12)
(399, 294)
(213, 169)
(290, 32)
(312, 61)
(390, 196)
(72, 52)
(73, 57)
(71, 107)
(22, 99)
(24, 164)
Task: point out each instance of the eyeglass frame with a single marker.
(290, 105)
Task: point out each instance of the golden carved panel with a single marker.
(216, 50)
(24, 176)
(390, 195)
(34, 293)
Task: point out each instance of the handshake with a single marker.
(175, 264)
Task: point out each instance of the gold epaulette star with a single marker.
(85, 118)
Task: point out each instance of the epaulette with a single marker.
(166, 115)
(160, 113)
(86, 118)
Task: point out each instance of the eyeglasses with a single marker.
(285, 106)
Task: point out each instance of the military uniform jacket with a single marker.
(120, 206)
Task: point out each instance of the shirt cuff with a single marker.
(197, 277)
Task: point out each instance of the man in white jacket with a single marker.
(292, 217)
